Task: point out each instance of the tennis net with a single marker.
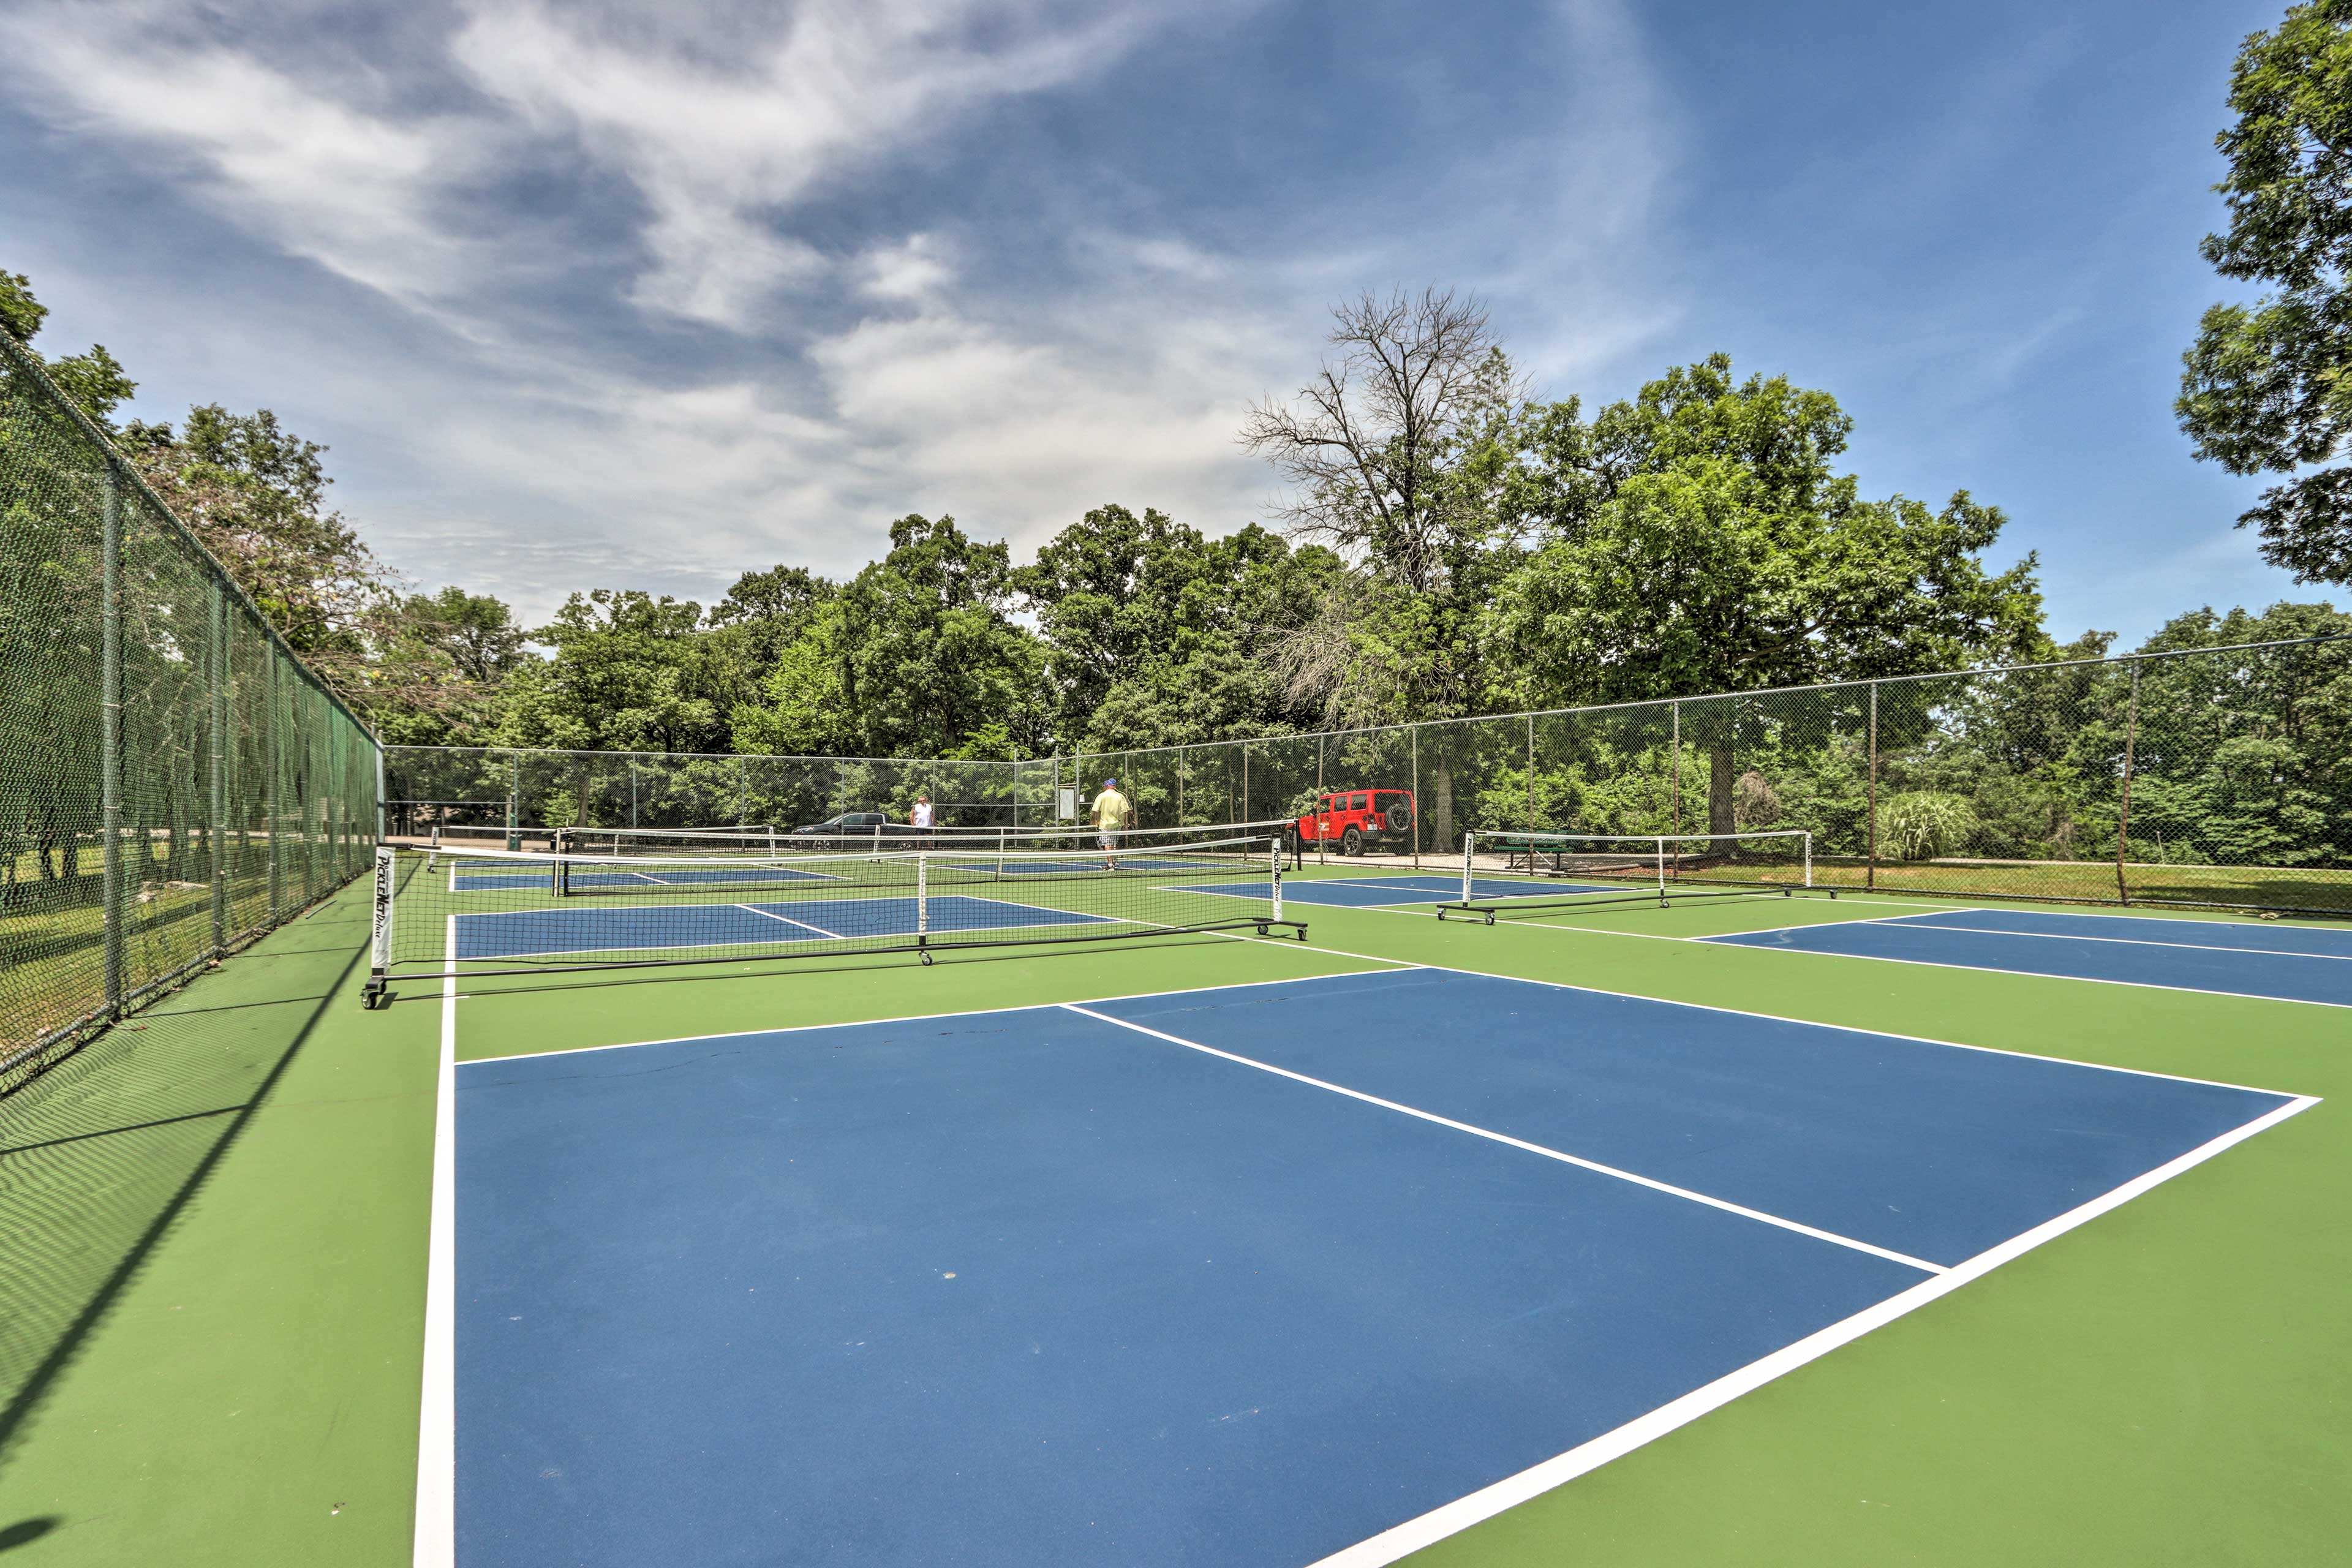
(1527, 871)
(471, 911)
(900, 838)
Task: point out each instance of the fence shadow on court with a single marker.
(104, 1154)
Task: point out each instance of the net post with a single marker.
(1809, 857)
(1469, 857)
(1662, 868)
(922, 896)
(559, 843)
(380, 928)
(110, 726)
(1274, 856)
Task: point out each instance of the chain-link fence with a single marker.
(2215, 776)
(173, 781)
(478, 792)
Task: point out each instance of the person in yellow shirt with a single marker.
(1112, 812)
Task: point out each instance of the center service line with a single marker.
(1520, 1143)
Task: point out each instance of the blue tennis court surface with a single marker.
(1053, 1285)
(633, 928)
(668, 877)
(621, 879)
(2295, 963)
(1365, 892)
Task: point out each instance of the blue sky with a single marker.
(644, 296)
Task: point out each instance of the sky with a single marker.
(646, 296)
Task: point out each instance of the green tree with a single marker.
(762, 615)
(1400, 453)
(1700, 541)
(437, 668)
(256, 493)
(2266, 389)
(93, 379)
(916, 655)
(629, 671)
(1155, 634)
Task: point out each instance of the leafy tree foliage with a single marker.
(916, 655)
(2265, 388)
(255, 492)
(439, 669)
(1699, 539)
(628, 672)
(1157, 634)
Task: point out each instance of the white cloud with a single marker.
(298, 163)
(927, 371)
(824, 89)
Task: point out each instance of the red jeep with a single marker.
(1351, 817)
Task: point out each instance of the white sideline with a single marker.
(436, 1416)
(1784, 1017)
(1504, 1139)
(1729, 940)
(1402, 1539)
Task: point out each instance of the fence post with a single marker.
(1416, 798)
(1319, 786)
(2123, 809)
(1245, 816)
(742, 793)
(514, 802)
(277, 762)
(110, 726)
(1675, 769)
(633, 791)
(216, 772)
(1869, 874)
(1531, 772)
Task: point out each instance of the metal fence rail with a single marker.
(174, 780)
(2217, 776)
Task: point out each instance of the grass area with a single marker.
(218, 1227)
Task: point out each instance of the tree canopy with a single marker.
(1449, 546)
(2266, 389)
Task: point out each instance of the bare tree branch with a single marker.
(1366, 443)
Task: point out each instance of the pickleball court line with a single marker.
(1504, 1139)
(1403, 1539)
(1730, 940)
(1787, 1018)
(804, 925)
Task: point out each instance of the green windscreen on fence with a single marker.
(173, 781)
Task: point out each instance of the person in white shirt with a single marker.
(919, 819)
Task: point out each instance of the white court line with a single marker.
(1400, 964)
(1772, 1017)
(1728, 940)
(804, 925)
(436, 1540)
(1828, 925)
(2127, 941)
(1520, 1143)
(1403, 1539)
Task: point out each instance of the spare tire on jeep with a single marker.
(1400, 817)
